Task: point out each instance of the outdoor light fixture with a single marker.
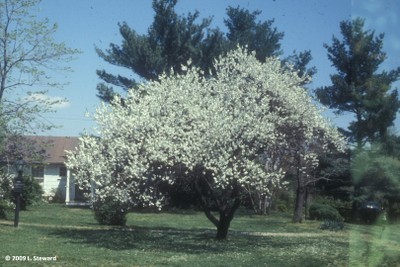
(19, 165)
(18, 188)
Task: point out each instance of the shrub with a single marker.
(6, 209)
(393, 212)
(5, 186)
(109, 212)
(56, 196)
(284, 201)
(324, 212)
(32, 193)
(332, 225)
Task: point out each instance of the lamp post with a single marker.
(18, 188)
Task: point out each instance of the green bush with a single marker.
(6, 210)
(109, 212)
(284, 202)
(5, 186)
(393, 212)
(32, 193)
(56, 196)
(332, 225)
(324, 212)
(343, 207)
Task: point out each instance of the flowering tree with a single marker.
(28, 51)
(223, 133)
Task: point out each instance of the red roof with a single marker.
(54, 147)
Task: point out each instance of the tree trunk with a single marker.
(358, 135)
(299, 205)
(300, 194)
(300, 197)
(223, 227)
(267, 205)
(226, 211)
(308, 200)
(225, 217)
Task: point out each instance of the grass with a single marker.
(186, 239)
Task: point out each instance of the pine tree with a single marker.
(261, 37)
(358, 87)
(173, 40)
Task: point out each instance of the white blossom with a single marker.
(241, 124)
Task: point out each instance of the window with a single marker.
(38, 172)
(63, 171)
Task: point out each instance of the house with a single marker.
(46, 163)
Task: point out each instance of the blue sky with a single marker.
(307, 24)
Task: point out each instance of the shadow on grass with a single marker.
(177, 240)
(138, 238)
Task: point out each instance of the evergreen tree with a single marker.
(376, 178)
(391, 145)
(358, 87)
(173, 40)
(261, 37)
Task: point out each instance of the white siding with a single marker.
(52, 180)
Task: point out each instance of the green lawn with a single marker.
(186, 239)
